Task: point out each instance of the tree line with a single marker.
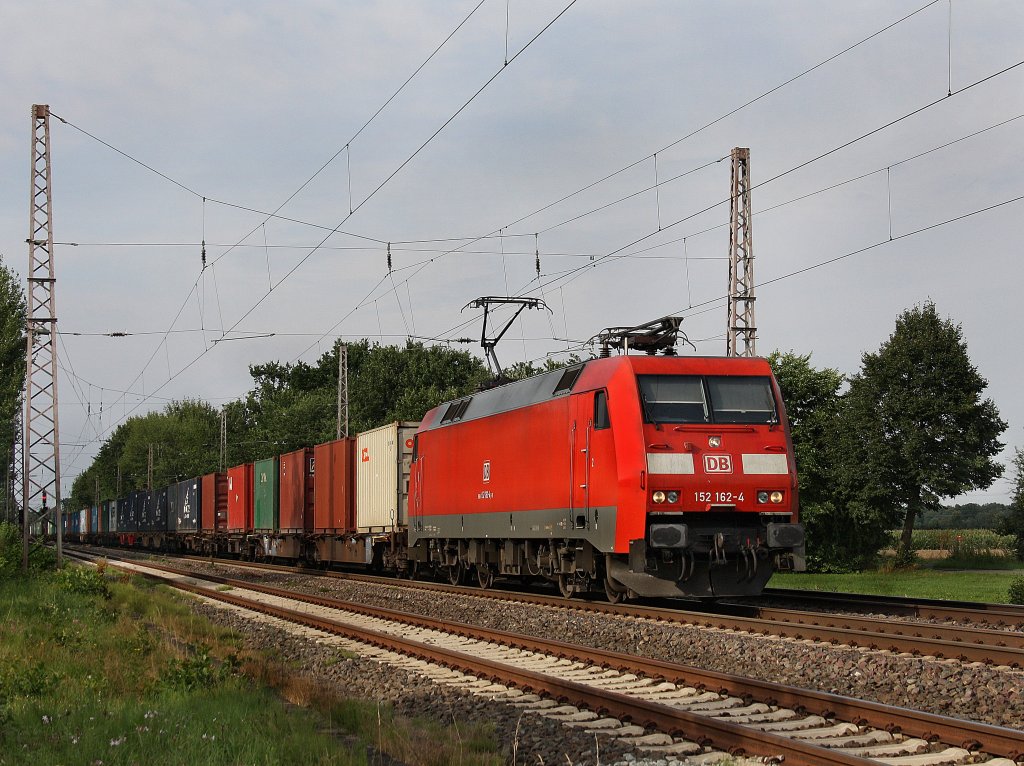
(874, 451)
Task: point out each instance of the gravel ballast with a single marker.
(972, 691)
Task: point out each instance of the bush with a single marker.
(1016, 593)
(40, 558)
(77, 579)
(198, 671)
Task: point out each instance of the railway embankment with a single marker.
(103, 668)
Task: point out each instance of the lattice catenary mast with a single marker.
(741, 332)
(41, 475)
(342, 427)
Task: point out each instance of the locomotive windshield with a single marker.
(714, 399)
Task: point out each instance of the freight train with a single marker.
(632, 475)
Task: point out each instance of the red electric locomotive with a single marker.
(641, 475)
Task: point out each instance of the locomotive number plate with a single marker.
(718, 497)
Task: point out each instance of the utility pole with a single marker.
(119, 480)
(41, 473)
(223, 439)
(149, 470)
(342, 428)
(741, 328)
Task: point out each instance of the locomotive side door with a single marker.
(581, 428)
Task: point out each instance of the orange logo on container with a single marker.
(408, 443)
(366, 455)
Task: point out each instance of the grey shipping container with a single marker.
(383, 461)
(185, 506)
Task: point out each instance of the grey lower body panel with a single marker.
(594, 525)
(706, 580)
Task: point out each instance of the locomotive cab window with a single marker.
(742, 399)
(673, 399)
(601, 419)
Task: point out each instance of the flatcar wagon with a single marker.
(641, 475)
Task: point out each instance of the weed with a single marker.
(76, 579)
(32, 680)
(197, 671)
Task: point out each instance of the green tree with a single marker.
(812, 401)
(185, 437)
(916, 428)
(12, 362)
(813, 405)
(295, 405)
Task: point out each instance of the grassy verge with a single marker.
(990, 587)
(108, 670)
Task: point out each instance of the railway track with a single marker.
(967, 643)
(659, 707)
(925, 609)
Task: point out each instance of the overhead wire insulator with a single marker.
(202, 252)
(389, 257)
(536, 245)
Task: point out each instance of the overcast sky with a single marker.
(243, 102)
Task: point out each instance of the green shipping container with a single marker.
(265, 499)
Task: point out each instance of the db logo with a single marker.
(365, 457)
(717, 464)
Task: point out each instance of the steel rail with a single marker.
(967, 611)
(970, 735)
(968, 644)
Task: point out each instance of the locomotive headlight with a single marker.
(658, 497)
(715, 441)
(672, 496)
(762, 496)
(776, 497)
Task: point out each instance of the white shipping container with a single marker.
(383, 462)
(112, 517)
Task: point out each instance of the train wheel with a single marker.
(612, 593)
(484, 576)
(567, 585)
(455, 573)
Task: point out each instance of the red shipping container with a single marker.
(240, 498)
(296, 491)
(214, 502)
(334, 487)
